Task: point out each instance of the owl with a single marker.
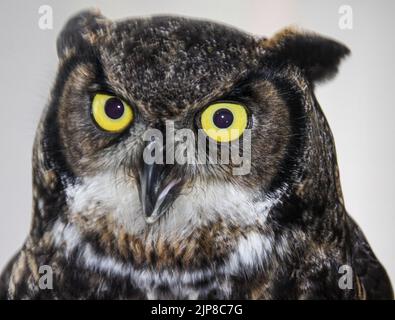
(108, 223)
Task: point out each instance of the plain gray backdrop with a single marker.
(359, 102)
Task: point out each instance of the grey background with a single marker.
(358, 103)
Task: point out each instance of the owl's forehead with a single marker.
(173, 63)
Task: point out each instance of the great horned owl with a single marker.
(110, 225)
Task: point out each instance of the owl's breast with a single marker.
(198, 265)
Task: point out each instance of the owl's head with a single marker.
(193, 85)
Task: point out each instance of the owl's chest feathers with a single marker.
(209, 236)
(192, 268)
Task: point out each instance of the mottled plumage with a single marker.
(279, 232)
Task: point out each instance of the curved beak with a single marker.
(157, 190)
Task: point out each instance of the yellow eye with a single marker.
(111, 113)
(224, 121)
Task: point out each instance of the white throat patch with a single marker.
(110, 194)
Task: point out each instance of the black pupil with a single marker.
(114, 108)
(223, 118)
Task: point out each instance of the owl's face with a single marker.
(118, 81)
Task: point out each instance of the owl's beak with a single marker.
(157, 189)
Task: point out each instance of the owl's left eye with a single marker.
(224, 121)
(111, 113)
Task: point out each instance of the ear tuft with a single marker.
(318, 57)
(77, 30)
